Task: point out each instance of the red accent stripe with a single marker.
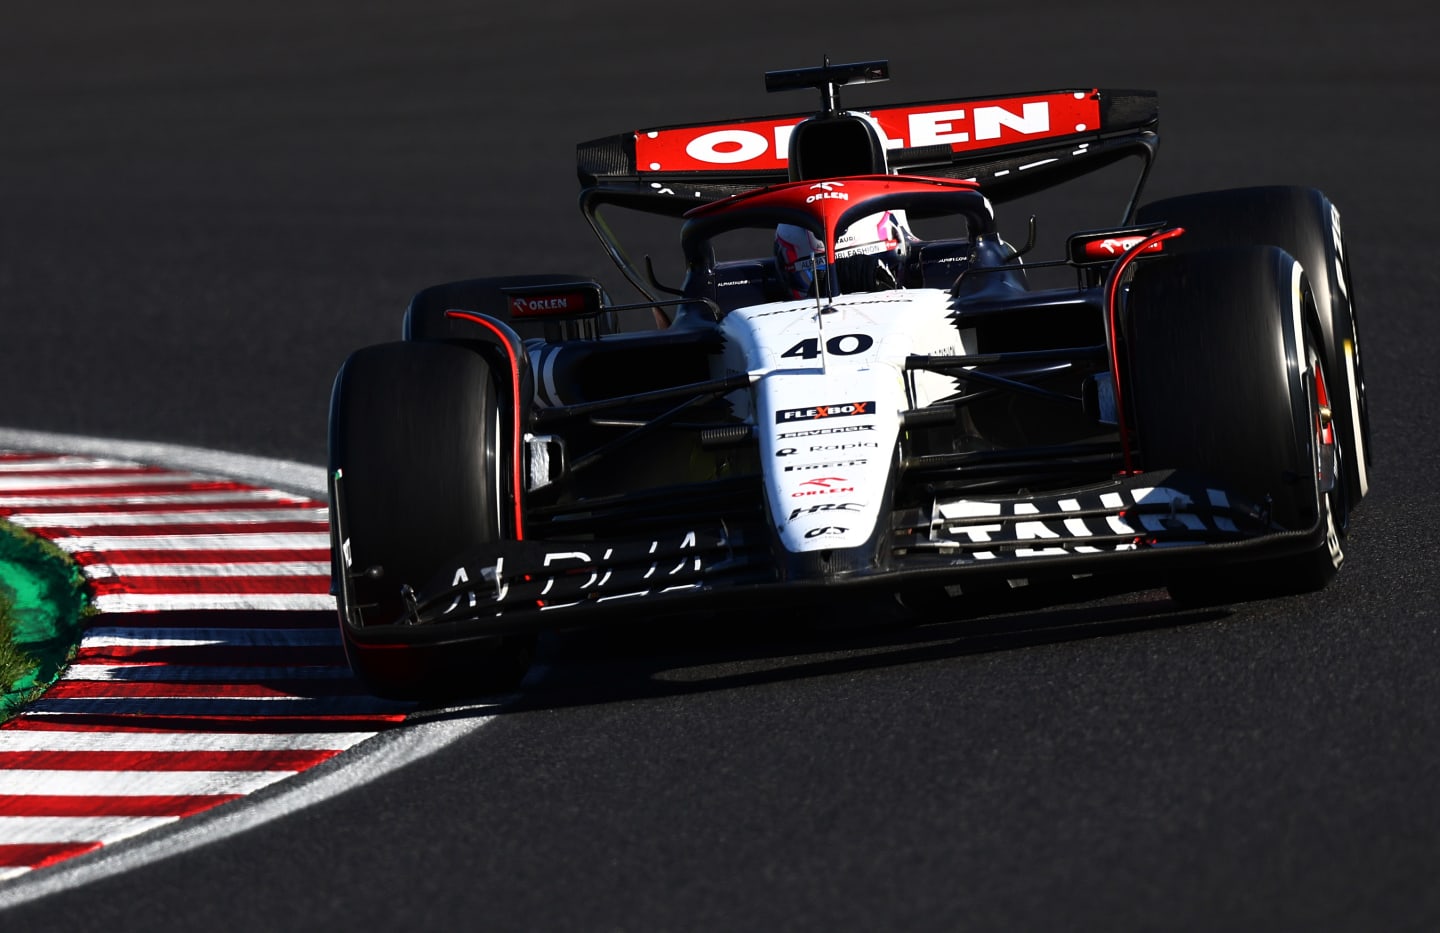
(108, 586)
(1112, 291)
(56, 805)
(128, 489)
(82, 470)
(241, 760)
(204, 556)
(267, 725)
(106, 508)
(515, 396)
(206, 528)
(38, 855)
(1325, 432)
(242, 656)
(76, 689)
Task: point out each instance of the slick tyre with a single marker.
(416, 464)
(1227, 381)
(1304, 223)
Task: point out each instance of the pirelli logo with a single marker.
(789, 415)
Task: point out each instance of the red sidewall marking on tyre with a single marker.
(213, 669)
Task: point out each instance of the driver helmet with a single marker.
(870, 255)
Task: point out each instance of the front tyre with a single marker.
(1304, 223)
(416, 462)
(1228, 381)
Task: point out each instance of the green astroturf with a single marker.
(43, 605)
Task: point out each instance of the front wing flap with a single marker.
(1148, 510)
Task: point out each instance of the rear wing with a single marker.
(1011, 145)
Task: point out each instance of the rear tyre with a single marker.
(1304, 223)
(1226, 378)
(416, 462)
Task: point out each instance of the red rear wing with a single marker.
(960, 126)
(1010, 146)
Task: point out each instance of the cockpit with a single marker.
(857, 226)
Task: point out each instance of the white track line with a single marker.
(40, 830)
(57, 740)
(257, 602)
(134, 783)
(293, 540)
(21, 482)
(218, 497)
(188, 517)
(293, 568)
(51, 464)
(153, 673)
(56, 710)
(166, 637)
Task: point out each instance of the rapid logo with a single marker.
(785, 415)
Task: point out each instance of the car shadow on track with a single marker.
(688, 655)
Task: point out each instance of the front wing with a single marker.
(1140, 525)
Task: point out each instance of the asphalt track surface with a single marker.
(203, 209)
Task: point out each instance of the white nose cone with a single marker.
(830, 444)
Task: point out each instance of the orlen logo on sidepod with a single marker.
(1114, 246)
(824, 411)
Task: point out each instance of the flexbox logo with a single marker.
(785, 415)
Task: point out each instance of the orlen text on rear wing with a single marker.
(1011, 146)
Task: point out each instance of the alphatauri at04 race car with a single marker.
(853, 407)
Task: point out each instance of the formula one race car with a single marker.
(859, 408)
